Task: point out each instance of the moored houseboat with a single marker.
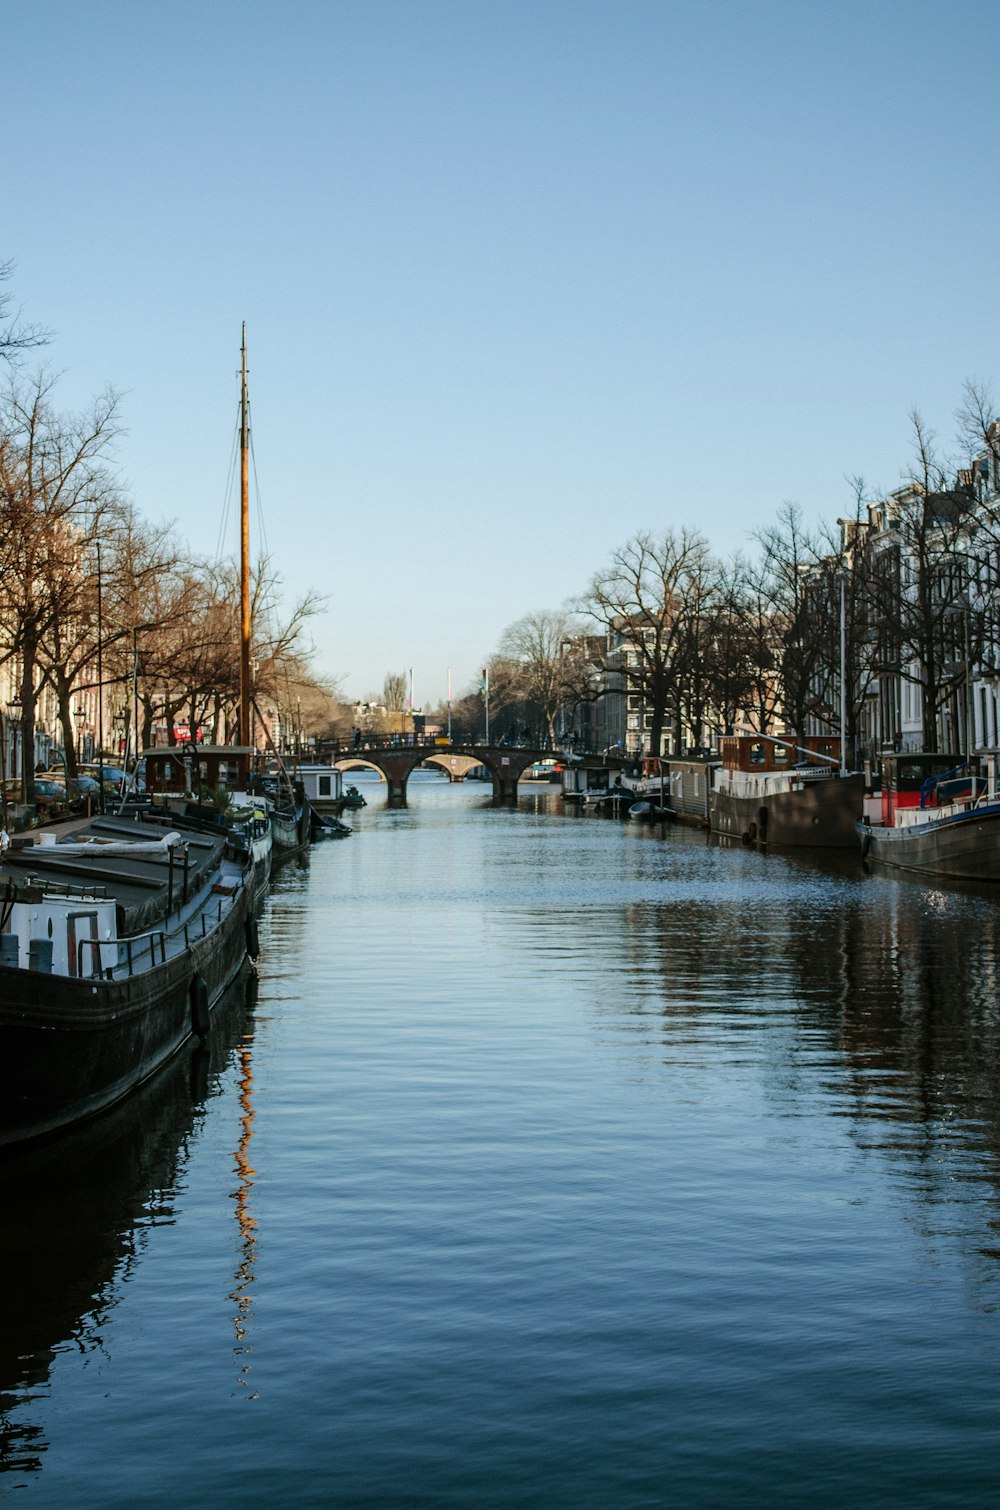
(115, 944)
(323, 786)
(938, 816)
(777, 792)
(582, 781)
(206, 786)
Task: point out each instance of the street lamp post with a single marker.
(14, 722)
(80, 717)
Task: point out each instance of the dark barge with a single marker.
(115, 945)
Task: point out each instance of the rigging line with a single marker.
(228, 495)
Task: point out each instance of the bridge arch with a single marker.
(396, 762)
(358, 763)
(456, 767)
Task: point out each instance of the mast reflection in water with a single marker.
(572, 1166)
(241, 1294)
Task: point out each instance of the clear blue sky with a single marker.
(520, 277)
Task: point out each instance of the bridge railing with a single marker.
(436, 744)
(433, 745)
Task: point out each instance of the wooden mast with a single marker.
(246, 685)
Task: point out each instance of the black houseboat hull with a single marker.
(961, 847)
(69, 1048)
(819, 815)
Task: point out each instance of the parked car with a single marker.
(49, 796)
(113, 776)
(83, 788)
(77, 790)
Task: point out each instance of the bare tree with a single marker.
(729, 644)
(700, 658)
(57, 494)
(117, 582)
(920, 576)
(978, 429)
(761, 629)
(790, 561)
(395, 691)
(640, 600)
(15, 335)
(313, 704)
(540, 647)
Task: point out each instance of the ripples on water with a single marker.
(557, 1164)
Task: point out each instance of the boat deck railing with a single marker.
(133, 955)
(140, 949)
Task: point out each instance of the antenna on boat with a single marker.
(246, 691)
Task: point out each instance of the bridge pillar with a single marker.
(504, 791)
(396, 770)
(506, 769)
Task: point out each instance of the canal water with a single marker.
(554, 1164)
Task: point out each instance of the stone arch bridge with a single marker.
(395, 761)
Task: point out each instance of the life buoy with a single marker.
(253, 937)
(199, 1007)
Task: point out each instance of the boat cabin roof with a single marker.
(182, 751)
(141, 884)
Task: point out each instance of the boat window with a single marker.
(324, 786)
(912, 770)
(781, 753)
(757, 754)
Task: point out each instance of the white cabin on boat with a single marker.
(62, 935)
(323, 786)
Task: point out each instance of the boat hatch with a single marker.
(79, 929)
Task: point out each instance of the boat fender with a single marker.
(751, 834)
(253, 937)
(199, 1007)
(866, 843)
(762, 824)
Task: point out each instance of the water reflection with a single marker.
(76, 1214)
(246, 1272)
(865, 998)
(595, 1168)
